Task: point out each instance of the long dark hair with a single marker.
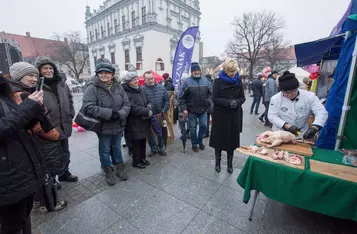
(5, 89)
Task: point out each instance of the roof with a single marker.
(32, 47)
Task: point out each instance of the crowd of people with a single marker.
(36, 123)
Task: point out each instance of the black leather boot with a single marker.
(230, 162)
(218, 155)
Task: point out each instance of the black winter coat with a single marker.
(257, 88)
(19, 164)
(100, 102)
(138, 123)
(60, 108)
(227, 123)
(169, 85)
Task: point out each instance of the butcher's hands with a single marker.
(293, 129)
(233, 104)
(310, 133)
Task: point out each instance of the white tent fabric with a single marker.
(299, 73)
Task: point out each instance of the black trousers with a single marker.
(15, 218)
(67, 154)
(208, 120)
(267, 104)
(229, 152)
(138, 150)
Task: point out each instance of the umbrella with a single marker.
(182, 125)
(158, 78)
(164, 129)
(156, 126)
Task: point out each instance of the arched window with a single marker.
(160, 66)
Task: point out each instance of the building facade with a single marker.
(140, 33)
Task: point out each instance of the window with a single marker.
(95, 60)
(133, 19)
(108, 28)
(96, 34)
(143, 15)
(160, 66)
(102, 31)
(116, 26)
(127, 59)
(90, 36)
(123, 22)
(112, 56)
(102, 56)
(139, 58)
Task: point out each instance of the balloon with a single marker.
(314, 76)
(313, 68)
(80, 129)
(75, 125)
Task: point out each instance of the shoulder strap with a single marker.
(4, 106)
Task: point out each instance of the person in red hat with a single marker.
(168, 84)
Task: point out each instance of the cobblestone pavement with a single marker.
(180, 193)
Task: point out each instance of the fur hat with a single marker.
(21, 69)
(288, 82)
(44, 60)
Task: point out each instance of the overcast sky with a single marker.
(306, 20)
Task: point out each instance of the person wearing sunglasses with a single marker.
(291, 108)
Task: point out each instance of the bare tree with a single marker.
(252, 32)
(72, 52)
(276, 52)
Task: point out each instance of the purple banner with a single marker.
(183, 54)
(338, 28)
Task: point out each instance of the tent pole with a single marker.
(345, 107)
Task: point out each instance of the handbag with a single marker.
(88, 123)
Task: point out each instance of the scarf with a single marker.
(223, 76)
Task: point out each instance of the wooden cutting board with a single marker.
(334, 170)
(268, 157)
(298, 148)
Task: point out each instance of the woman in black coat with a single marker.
(139, 119)
(19, 164)
(227, 117)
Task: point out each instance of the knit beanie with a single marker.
(104, 65)
(288, 82)
(21, 69)
(165, 76)
(128, 77)
(195, 66)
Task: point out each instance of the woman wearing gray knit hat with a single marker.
(24, 72)
(139, 119)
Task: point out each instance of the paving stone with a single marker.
(159, 174)
(204, 223)
(161, 214)
(193, 189)
(86, 169)
(226, 204)
(123, 227)
(92, 216)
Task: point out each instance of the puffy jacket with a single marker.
(270, 89)
(158, 97)
(19, 164)
(100, 102)
(60, 108)
(138, 123)
(195, 95)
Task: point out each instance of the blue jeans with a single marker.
(106, 142)
(192, 124)
(156, 148)
(256, 103)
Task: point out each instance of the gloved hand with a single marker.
(233, 104)
(150, 113)
(115, 115)
(122, 114)
(293, 129)
(310, 133)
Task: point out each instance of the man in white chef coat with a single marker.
(291, 108)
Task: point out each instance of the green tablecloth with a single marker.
(302, 188)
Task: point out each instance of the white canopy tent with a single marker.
(299, 73)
